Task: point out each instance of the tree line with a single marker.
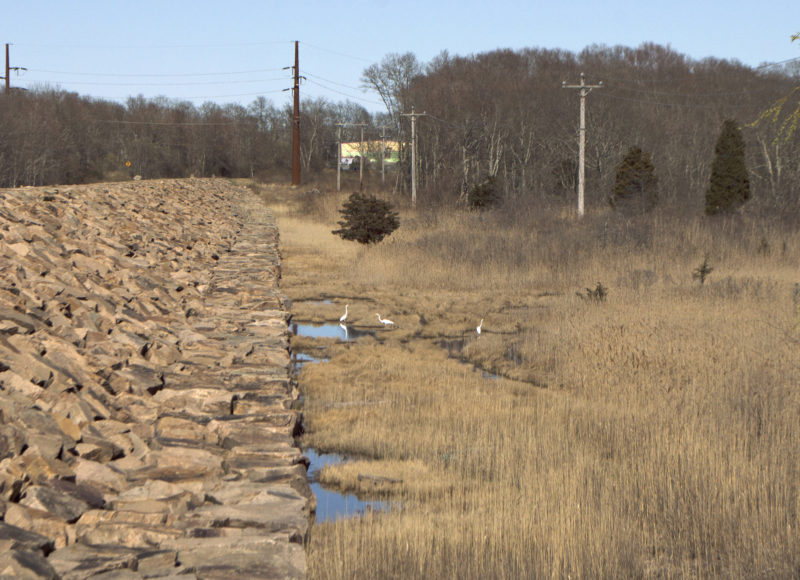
(53, 136)
(503, 116)
(497, 121)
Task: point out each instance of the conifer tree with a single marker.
(366, 219)
(730, 183)
(484, 194)
(635, 185)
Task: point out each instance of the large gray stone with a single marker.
(77, 561)
(242, 555)
(16, 538)
(52, 501)
(26, 565)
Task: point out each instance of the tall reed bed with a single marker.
(652, 433)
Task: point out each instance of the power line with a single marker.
(361, 58)
(169, 123)
(187, 84)
(188, 98)
(780, 62)
(627, 87)
(343, 93)
(334, 82)
(159, 46)
(611, 95)
(100, 74)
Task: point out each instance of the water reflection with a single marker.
(299, 359)
(330, 330)
(332, 505)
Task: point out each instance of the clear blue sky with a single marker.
(234, 50)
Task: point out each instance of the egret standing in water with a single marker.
(384, 321)
(343, 317)
(478, 330)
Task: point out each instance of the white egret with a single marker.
(343, 317)
(384, 321)
(479, 327)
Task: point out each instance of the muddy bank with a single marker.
(146, 418)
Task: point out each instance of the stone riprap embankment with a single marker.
(146, 419)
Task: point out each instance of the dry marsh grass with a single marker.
(654, 433)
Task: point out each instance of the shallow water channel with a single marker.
(331, 505)
(330, 330)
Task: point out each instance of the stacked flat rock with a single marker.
(146, 419)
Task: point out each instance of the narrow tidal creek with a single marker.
(331, 504)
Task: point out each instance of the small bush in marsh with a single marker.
(596, 294)
(702, 271)
(366, 219)
(484, 195)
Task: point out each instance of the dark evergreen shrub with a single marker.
(366, 219)
(484, 195)
(635, 185)
(730, 184)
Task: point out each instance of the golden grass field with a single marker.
(655, 433)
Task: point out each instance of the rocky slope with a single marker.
(146, 422)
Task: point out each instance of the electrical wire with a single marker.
(95, 74)
(192, 98)
(333, 82)
(202, 83)
(780, 62)
(343, 93)
(627, 87)
(148, 46)
(361, 58)
(610, 95)
(170, 123)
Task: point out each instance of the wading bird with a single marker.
(384, 321)
(343, 317)
(478, 330)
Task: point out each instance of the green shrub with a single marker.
(635, 185)
(366, 219)
(730, 183)
(484, 195)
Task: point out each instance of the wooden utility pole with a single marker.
(296, 118)
(360, 150)
(413, 116)
(383, 155)
(9, 68)
(8, 72)
(339, 156)
(585, 90)
(361, 160)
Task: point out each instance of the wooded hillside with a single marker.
(502, 115)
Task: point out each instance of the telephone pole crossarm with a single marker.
(584, 91)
